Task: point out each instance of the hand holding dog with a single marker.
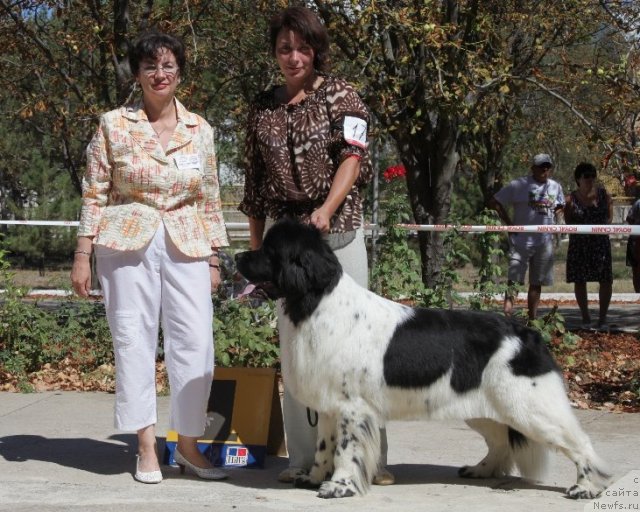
(321, 219)
(214, 274)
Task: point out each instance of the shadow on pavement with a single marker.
(100, 457)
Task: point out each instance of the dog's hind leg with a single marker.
(357, 452)
(498, 461)
(566, 435)
(547, 419)
(322, 468)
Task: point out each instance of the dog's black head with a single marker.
(294, 263)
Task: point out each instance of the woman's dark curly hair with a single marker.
(306, 23)
(584, 168)
(147, 46)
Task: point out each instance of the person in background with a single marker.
(633, 246)
(151, 211)
(536, 199)
(589, 256)
(306, 158)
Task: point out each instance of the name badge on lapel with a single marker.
(187, 161)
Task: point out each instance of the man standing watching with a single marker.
(536, 200)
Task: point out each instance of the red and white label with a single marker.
(355, 131)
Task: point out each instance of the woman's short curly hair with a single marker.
(584, 168)
(306, 23)
(147, 46)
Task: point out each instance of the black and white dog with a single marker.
(359, 360)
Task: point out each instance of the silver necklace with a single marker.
(158, 133)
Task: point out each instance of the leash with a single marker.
(313, 423)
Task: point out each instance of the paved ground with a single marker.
(58, 451)
(624, 310)
(621, 317)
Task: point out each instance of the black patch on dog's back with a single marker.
(432, 342)
(533, 358)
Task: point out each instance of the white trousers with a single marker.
(141, 288)
(301, 436)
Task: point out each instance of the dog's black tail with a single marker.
(530, 457)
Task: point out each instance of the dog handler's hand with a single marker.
(81, 274)
(214, 274)
(321, 220)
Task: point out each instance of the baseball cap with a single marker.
(542, 159)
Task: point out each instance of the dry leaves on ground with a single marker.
(67, 377)
(602, 371)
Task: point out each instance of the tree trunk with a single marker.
(431, 165)
(121, 48)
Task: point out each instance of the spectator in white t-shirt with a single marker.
(535, 200)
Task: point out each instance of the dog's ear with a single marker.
(321, 266)
(307, 264)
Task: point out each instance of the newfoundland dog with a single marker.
(360, 360)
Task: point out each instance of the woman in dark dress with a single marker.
(589, 256)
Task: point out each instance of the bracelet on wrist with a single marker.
(82, 252)
(214, 266)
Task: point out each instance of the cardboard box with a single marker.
(244, 419)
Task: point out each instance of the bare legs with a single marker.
(604, 297)
(148, 452)
(188, 447)
(636, 278)
(580, 290)
(533, 301)
(147, 449)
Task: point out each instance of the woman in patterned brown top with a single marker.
(306, 158)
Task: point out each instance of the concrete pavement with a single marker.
(59, 451)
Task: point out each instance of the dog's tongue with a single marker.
(247, 290)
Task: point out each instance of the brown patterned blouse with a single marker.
(293, 152)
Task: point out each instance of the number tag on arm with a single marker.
(355, 131)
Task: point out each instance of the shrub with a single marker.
(76, 333)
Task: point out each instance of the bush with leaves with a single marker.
(76, 334)
(396, 273)
(442, 294)
(490, 264)
(246, 333)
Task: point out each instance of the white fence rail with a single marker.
(601, 229)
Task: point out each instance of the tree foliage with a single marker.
(471, 85)
(448, 79)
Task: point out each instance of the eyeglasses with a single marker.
(168, 69)
(545, 166)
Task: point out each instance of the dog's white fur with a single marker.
(335, 364)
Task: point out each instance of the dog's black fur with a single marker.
(359, 359)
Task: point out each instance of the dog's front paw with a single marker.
(306, 482)
(342, 488)
(582, 492)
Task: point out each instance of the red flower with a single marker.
(393, 172)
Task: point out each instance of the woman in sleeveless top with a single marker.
(589, 256)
